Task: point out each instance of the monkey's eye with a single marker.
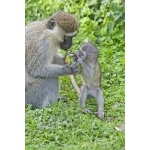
(81, 53)
(51, 24)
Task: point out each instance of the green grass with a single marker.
(63, 126)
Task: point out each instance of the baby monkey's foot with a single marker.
(100, 114)
(62, 99)
(87, 110)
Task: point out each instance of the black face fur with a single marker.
(67, 43)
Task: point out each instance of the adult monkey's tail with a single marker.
(74, 83)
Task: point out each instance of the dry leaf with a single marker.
(120, 127)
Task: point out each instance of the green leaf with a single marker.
(110, 28)
(92, 2)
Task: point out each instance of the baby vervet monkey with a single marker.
(87, 58)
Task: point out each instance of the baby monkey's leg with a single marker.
(100, 102)
(83, 97)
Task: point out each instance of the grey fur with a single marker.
(43, 64)
(87, 56)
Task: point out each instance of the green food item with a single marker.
(69, 59)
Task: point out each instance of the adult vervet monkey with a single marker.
(43, 63)
(87, 57)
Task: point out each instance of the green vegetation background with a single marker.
(62, 126)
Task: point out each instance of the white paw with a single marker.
(87, 110)
(100, 114)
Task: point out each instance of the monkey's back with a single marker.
(35, 36)
(33, 32)
(38, 90)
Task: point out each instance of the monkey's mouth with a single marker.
(79, 59)
(64, 46)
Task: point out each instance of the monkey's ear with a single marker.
(51, 24)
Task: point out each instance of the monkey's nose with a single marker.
(79, 60)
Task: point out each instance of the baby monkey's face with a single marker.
(86, 52)
(80, 56)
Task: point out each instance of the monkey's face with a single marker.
(80, 56)
(67, 43)
(86, 52)
(65, 26)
